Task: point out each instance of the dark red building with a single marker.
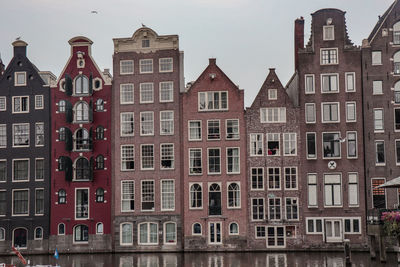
(81, 154)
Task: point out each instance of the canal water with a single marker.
(200, 259)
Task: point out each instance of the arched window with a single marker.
(100, 162)
(61, 163)
(196, 196)
(214, 197)
(126, 237)
(82, 170)
(396, 63)
(396, 33)
(20, 238)
(99, 133)
(61, 134)
(2, 234)
(233, 195)
(62, 196)
(196, 229)
(397, 92)
(81, 85)
(82, 141)
(81, 233)
(38, 233)
(99, 105)
(169, 233)
(82, 112)
(61, 229)
(99, 228)
(100, 195)
(148, 233)
(233, 229)
(61, 106)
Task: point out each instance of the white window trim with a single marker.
(4, 160)
(308, 193)
(298, 209)
(120, 94)
(125, 145)
(279, 142)
(75, 195)
(126, 73)
(327, 49)
(322, 143)
(120, 122)
(226, 129)
(140, 66)
(201, 134)
(97, 224)
(141, 158)
(120, 234)
(15, 78)
(219, 127)
(141, 196)
(315, 113)
(141, 101)
(316, 146)
(255, 232)
(394, 120)
(134, 194)
(220, 161)
(351, 226)
(173, 122)
(44, 134)
(275, 236)
(173, 154)
(161, 206)
(34, 233)
(397, 156)
(5, 103)
(337, 79)
(159, 92)
(355, 111)
(19, 112)
(201, 158)
(347, 145)
(280, 209)
(358, 189)
(262, 145)
(36, 179)
(305, 84)
(252, 214)
(142, 134)
(201, 229)
(12, 202)
(44, 201)
(229, 228)
(314, 219)
(36, 97)
(284, 178)
(165, 234)
(209, 234)
(165, 71)
(280, 120)
(227, 195)
(384, 151)
(333, 32)
(341, 190)
(251, 178)
(202, 193)
(283, 139)
(338, 113)
(376, 93)
(58, 229)
(270, 93)
(148, 234)
(372, 190)
(226, 151)
(206, 109)
(383, 120)
(372, 62)
(29, 170)
(354, 81)
(280, 178)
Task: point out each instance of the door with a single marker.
(333, 231)
(214, 199)
(20, 238)
(214, 232)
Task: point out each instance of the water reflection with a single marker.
(200, 259)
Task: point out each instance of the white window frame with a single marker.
(201, 160)
(120, 234)
(171, 91)
(314, 222)
(256, 236)
(122, 194)
(347, 144)
(257, 147)
(306, 84)
(219, 129)
(298, 208)
(6, 169)
(4, 136)
(162, 194)
(383, 120)
(227, 161)
(257, 176)
(226, 130)
(201, 229)
(165, 233)
(142, 64)
(281, 115)
(141, 124)
(209, 233)
(36, 134)
(122, 123)
(291, 176)
(39, 98)
(12, 202)
(272, 94)
(353, 75)
(189, 136)
(229, 228)
(44, 201)
(323, 112)
(397, 154)
(273, 218)
(20, 99)
(329, 52)
(172, 158)
(169, 121)
(376, 53)
(377, 87)
(58, 229)
(44, 169)
(315, 145)
(159, 65)
(356, 184)
(334, 204)
(3, 103)
(130, 146)
(97, 225)
(252, 213)
(352, 219)
(141, 157)
(219, 101)
(340, 145)
(312, 105)
(75, 202)
(376, 153)
(348, 104)
(274, 174)
(279, 144)
(124, 88)
(148, 233)
(337, 83)
(288, 143)
(141, 196)
(325, 36)
(275, 236)
(314, 184)
(202, 196)
(29, 170)
(208, 161)
(142, 91)
(227, 195)
(16, 78)
(120, 67)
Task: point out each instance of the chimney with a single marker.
(212, 61)
(20, 48)
(298, 40)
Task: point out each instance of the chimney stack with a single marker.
(298, 40)
(20, 48)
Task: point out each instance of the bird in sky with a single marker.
(94, 12)
(143, 25)
(18, 38)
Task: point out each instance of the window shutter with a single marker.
(68, 111)
(91, 84)
(68, 169)
(68, 139)
(91, 167)
(91, 110)
(68, 84)
(91, 138)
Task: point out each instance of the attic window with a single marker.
(329, 33)
(146, 43)
(272, 94)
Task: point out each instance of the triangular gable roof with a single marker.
(381, 21)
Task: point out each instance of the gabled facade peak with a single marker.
(80, 41)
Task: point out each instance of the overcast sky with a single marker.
(246, 36)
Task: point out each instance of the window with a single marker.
(82, 169)
(81, 234)
(39, 169)
(21, 134)
(194, 130)
(166, 91)
(127, 124)
(260, 232)
(289, 144)
(273, 144)
(215, 233)
(100, 133)
(311, 146)
(331, 145)
(257, 209)
(380, 152)
(20, 104)
(61, 229)
(396, 119)
(333, 190)
(328, 33)
(396, 33)
(146, 65)
(62, 196)
(146, 93)
(330, 112)
(99, 228)
(39, 134)
(61, 134)
(167, 156)
(292, 208)
(329, 56)
(274, 208)
(312, 190)
(274, 178)
(233, 228)
(273, 115)
(3, 103)
(20, 202)
(126, 67)
(196, 196)
(3, 170)
(38, 233)
(126, 234)
(314, 226)
(209, 101)
(233, 195)
(214, 199)
(127, 196)
(3, 135)
(213, 130)
(351, 112)
(170, 233)
(62, 106)
(233, 160)
(148, 233)
(39, 104)
(378, 194)
(329, 83)
(145, 43)
(256, 144)
(272, 94)
(257, 178)
(20, 78)
(82, 140)
(353, 189)
(61, 163)
(396, 63)
(167, 195)
(376, 57)
(232, 129)
(214, 160)
(377, 88)
(39, 202)
(351, 144)
(147, 157)
(310, 112)
(99, 104)
(147, 195)
(100, 195)
(82, 112)
(127, 157)
(352, 226)
(196, 230)
(166, 122)
(81, 85)
(195, 165)
(378, 120)
(147, 123)
(2, 234)
(397, 155)
(3, 203)
(82, 203)
(166, 64)
(290, 177)
(21, 170)
(309, 84)
(350, 82)
(126, 94)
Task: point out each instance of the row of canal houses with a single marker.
(139, 161)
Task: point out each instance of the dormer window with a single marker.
(20, 79)
(145, 43)
(81, 85)
(329, 33)
(272, 94)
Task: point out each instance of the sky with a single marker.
(247, 37)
